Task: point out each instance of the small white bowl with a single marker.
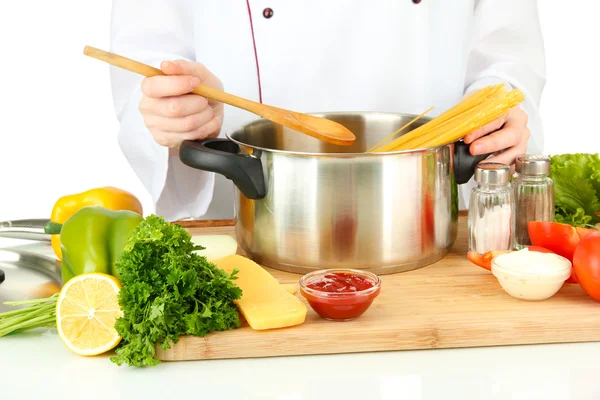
(529, 275)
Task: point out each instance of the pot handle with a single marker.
(222, 156)
(465, 162)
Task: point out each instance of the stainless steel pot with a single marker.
(303, 204)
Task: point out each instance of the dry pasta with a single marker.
(473, 112)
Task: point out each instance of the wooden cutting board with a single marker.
(449, 304)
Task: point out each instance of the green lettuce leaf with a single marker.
(576, 188)
(577, 219)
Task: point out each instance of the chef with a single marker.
(312, 56)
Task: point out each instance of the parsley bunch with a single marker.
(168, 291)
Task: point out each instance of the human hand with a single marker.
(507, 137)
(171, 113)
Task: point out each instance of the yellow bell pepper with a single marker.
(108, 197)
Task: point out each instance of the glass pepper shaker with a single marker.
(534, 195)
(491, 219)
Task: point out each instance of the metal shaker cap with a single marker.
(532, 164)
(491, 173)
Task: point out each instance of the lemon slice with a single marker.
(86, 311)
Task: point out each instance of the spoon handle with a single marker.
(148, 71)
(318, 127)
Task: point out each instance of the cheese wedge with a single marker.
(265, 304)
(290, 287)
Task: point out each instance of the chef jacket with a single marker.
(400, 56)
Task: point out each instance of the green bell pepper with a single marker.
(92, 239)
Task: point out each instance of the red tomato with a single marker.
(485, 260)
(561, 239)
(539, 249)
(586, 263)
(583, 232)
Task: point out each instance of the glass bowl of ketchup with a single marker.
(340, 294)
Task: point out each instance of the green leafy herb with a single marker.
(576, 188)
(168, 291)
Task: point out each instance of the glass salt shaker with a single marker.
(491, 222)
(534, 195)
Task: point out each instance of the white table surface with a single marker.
(36, 365)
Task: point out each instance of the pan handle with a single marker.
(222, 156)
(465, 162)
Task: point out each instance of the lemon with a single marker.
(86, 311)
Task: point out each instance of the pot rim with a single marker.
(341, 155)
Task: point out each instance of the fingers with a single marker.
(500, 140)
(174, 139)
(166, 86)
(180, 77)
(508, 142)
(512, 133)
(171, 68)
(187, 68)
(176, 106)
(509, 156)
(491, 127)
(209, 129)
(182, 67)
(171, 113)
(185, 124)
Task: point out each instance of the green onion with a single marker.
(39, 313)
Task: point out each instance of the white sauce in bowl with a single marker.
(531, 275)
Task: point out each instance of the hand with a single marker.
(507, 137)
(171, 113)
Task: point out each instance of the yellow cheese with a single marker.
(290, 287)
(265, 304)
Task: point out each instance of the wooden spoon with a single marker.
(320, 128)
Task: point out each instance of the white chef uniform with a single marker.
(318, 55)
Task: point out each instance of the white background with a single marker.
(54, 99)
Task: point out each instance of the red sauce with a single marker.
(340, 282)
(337, 296)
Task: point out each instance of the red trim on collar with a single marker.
(255, 53)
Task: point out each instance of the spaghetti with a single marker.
(473, 112)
